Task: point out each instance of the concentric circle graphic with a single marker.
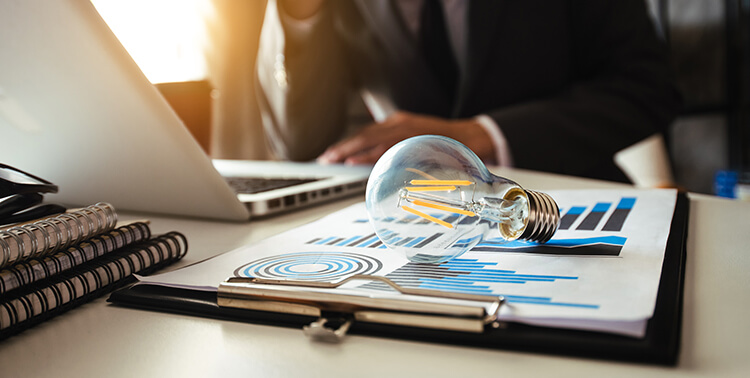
(312, 266)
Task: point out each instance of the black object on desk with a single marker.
(21, 196)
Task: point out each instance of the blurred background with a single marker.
(201, 53)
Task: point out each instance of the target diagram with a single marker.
(312, 266)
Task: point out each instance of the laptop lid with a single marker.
(76, 110)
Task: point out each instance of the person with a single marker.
(548, 85)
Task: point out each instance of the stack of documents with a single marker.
(600, 272)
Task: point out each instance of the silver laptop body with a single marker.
(76, 110)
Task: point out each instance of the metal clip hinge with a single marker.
(318, 331)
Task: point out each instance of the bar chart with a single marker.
(610, 245)
(592, 246)
(591, 220)
(574, 236)
(472, 276)
(460, 275)
(575, 215)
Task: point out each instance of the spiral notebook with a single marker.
(40, 238)
(41, 300)
(25, 273)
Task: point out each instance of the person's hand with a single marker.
(372, 141)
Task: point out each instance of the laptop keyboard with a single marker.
(251, 185)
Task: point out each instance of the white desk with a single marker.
(99, 340)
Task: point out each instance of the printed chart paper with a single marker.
(599, 272)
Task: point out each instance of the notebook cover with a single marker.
(78, 279)
(660, 345)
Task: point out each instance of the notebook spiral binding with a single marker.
(50, 297)
(37, 239)
(33, 270)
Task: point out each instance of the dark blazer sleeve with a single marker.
(621, 92)
(303, 85)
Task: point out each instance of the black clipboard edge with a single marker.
(660, 346)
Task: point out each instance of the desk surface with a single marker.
(97, 339)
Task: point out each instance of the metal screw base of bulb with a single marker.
(544, 217)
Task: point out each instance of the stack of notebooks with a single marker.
(53, 264)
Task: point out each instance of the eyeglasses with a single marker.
(21, 196)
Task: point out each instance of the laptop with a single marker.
(76, 110)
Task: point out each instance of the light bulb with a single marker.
(431, 199)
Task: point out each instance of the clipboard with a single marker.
(412, 308)
(660, 345)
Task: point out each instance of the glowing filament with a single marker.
(440, 182)
(444, 208)
(437, 203)
(430, 188)
(427, 216)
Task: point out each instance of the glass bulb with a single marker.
(431, 199)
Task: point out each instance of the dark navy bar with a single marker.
(617, 219)
(347, 241)
(584, 250)
(428, 240)
(326, 240)
(370, 241)
(405, 240)
(592, 220)
(570, 217)
(334, 241)
(354, 243)
(467, 220)
(451, 218)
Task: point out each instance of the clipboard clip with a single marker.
(410, 307)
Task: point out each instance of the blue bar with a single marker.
(527, 298)
(368, 242)
(580, 305)
(614, 240)
(458, 280)
(570, 217)
(488, 271)
(590, 222)
(522, 276)
(326, 240)
(459, 290)
(347, 241)
(463, 266)
(626, 203)
(602, 207)
(576, 210)
(415, 241)
(443, 282)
